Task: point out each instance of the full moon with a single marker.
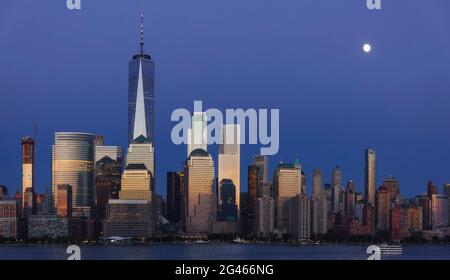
(367, 48)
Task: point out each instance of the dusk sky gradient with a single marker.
(68, 71)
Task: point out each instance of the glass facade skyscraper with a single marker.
(73, 164)
(141, 90)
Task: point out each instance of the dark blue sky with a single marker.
(67, 71)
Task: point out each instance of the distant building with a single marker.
(439, 211)
(253, 184)
(286, 185)
(8, 218)
(47, 226)
(28, 167)
(370, 176)
(300, 217)
(3, 192)
(64, 204)
(175, 182)
(424, 201)
(228, 210)
(142, 151)
(319, 209)
(262, 163)
(431, 189)
(128, 218)
(229, 159)
(383, 207)
(446, 189)
(336, 183)
(198, 134)
(200, 210)
(350, 199)
(107, 183)
(28, 202)
(264, 216)
(113, 152)
(136, 183)
(73, 157)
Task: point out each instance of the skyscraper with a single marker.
(107, 183)
(286, 185)
(318, 205)
(262, 163)
(136, 183)
(64, 206)
(370, 176)
(27, 174)
(336, 182)
(141, 94)
(253, 182)
(300, 216)
(199, 208)
(383, 207)
(229, 159)
(197, 134)
(175, 182)
(228, 210)
(141, 151)
(73, 164)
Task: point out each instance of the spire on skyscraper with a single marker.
(142, 33)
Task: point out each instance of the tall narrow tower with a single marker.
(141, 93)
(27, 175)
(370, 176)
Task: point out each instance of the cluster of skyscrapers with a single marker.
(97, 192)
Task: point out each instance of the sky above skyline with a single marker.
(68, 71)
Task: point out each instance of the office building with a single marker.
(264, 216)
(439, 211)
(336, 182)
(136, 183)
(64, 201)
(48, 226)
(199, 208)
(198, 134)
(229, 159)
(9, 219)
(286, 185)
(73, 164)
(175, 182)
(228, 210)
(141, 94)
(107, 183)
(300, 217)
(383, 208)
(128, 218)
(370, 176)
(141, 151)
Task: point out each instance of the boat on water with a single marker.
(240, 241)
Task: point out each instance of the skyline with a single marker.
(314, 144)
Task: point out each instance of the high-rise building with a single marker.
(383, 208)
(439, 211)
(253, 182)
(73, 164)
(136, 183)
(141, 151)
(300, 216)
(64, 198)
(318, 205)
(228, 210)
(393, 188)
(113, 152)
(129, 218)
(141, 94)
(431, 189)
(262, 162)
(336, 182)
(107, 183)
(175, 182)
(424, 201)
(286, 185)
(199, 208)
(28, 155)
(264, 216)
(446, 190)
(3, 192)
(229, 159)
(370, 176)
(350, 199)
(8, 218)
(198, 134)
